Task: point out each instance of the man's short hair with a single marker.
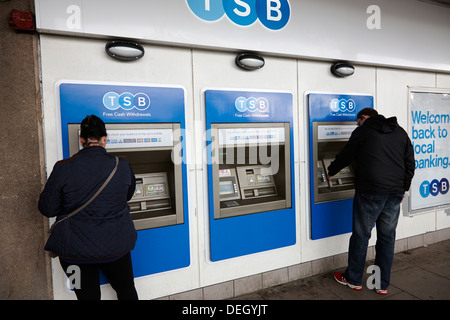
(366, 112)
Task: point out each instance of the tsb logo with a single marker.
(251, 104)
(342, 105)
(434, 187)
(273, 14)
(126, 101)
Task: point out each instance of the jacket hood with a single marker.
(381, 124)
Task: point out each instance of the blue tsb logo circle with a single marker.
(126, 101)
(273, 14)
(342, 105)
(251, 104)
(434, 187)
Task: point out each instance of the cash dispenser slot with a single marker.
(243, 183)
(329, 139)
(158, 197)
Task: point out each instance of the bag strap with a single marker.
(90, 200)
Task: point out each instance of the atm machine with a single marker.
(250, 168)
(250, 171)
(158, 197)
(332, 119)
(330, 138)
(146, 124)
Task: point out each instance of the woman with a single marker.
(100, 236)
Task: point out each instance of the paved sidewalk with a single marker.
(418, 274)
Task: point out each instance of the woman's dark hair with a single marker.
(92, 127)
(366, 112)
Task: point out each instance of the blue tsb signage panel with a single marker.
(158, 249)
(333, 217)
(251, 233)
(274, 15)
(115, 103)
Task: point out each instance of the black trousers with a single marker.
(119, 274)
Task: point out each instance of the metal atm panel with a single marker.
(158, 197)
(161, 245)
(245, 131)
(242, 182)
(329, 138)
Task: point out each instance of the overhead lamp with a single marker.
(342, 69)
(249, 61)
(124, 50)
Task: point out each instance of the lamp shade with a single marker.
(249, 61)
(342, 69)
(124, 50)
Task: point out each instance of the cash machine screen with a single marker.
(228, 185)
(226, 188)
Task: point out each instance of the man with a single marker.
(384, 159)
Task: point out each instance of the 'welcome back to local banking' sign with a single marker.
(430, 136)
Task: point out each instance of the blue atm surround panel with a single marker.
(158, 249)
(333, 217)
(250, 233)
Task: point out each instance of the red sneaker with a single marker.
(339, 277)
(379, 291)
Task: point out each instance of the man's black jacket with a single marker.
(383, 154)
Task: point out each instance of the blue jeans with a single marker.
(383, 211)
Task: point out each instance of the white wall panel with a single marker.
(218, 70)
(443, 80)
(392, 97)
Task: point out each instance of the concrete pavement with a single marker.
(418, 274)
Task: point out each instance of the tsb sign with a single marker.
(434, 187)
(126, 101)
(273, 14)
(251, 104)
(342, 105)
